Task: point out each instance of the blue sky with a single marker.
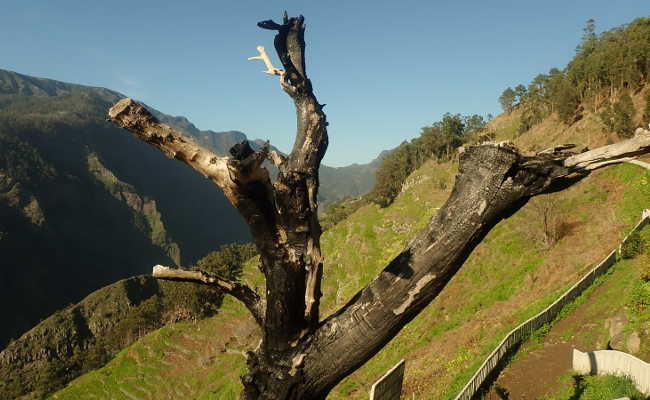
(384, 68)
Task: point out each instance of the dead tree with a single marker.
(301, 356)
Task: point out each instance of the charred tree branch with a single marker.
(297, 270)
(494, 181)
(240, 291)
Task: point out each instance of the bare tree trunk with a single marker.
(299, 356)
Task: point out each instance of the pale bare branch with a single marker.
(276, 158)
(138, 120)
(240, 291)
(613, 153)
(270, 69)
(234, 176)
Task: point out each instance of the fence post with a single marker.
(389, 386)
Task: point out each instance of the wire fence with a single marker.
(524, 330)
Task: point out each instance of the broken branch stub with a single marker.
(270, 69)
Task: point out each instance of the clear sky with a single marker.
(384, 68)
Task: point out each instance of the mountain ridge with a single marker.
(337, 183)
(79, 208)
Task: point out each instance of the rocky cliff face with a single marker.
(144, 213)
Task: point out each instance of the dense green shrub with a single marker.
(607, 387)
(228, 260)
(634, 246)
(600, 387)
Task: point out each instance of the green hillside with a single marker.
(84, 336)
(612, 314)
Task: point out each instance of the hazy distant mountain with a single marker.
(336, 183)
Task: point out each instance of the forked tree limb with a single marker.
(282, 216)
(311, 140)
(296, 191)
(270, 69)
(240, 291)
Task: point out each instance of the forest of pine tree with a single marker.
(605, 68)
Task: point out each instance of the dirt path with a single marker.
(536, 373)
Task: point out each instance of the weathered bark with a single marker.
(299, 356)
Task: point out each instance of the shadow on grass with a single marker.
(491, 379)
(579, 385)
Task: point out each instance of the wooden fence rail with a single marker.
(547, 315)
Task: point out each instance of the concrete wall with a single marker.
(612, 362)
(524, 330)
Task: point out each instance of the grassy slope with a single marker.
(508, 278)
(585, 326)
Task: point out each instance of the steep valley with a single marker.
(80, 209)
